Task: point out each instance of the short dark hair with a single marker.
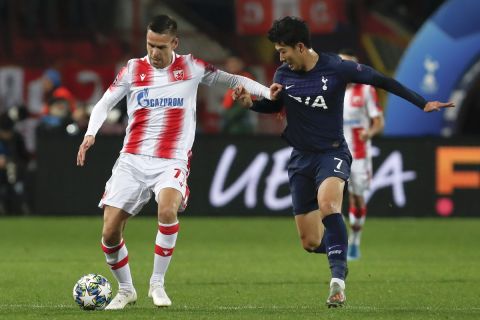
(163, 24)
(290, 31)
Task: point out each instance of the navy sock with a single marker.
(322, 248)
(336, 241)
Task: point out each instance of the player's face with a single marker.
(160, 48)
(291, 56)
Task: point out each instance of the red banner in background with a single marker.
(321, 15)
(256, 16)
(88, 83)
(253, 16)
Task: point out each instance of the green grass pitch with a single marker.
(246, 268)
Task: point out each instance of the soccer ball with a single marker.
(92, 292)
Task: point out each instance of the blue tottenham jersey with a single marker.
(313, 100)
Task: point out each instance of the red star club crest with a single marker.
(178, 74)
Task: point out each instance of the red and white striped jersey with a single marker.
(359, 107)
(161, 103)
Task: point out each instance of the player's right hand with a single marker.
(437, 106)
(241, 95)
(275, 90)
(88, 141)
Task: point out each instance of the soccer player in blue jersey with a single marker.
(312, 93)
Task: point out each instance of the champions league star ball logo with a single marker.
(178, 74)
(429, 82)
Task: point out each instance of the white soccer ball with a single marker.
(92, 292)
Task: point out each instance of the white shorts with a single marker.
(135, 177)
(360, 176)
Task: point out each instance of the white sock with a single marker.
(356, 226)
(339, 281)
(164, 246)
(117, 258)
(355, 237)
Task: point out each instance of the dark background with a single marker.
(62, 188)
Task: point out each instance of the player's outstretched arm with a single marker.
(110, 98)
(437, 106)
(364, 74)
(88, 141)
(233, 81)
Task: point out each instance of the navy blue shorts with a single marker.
(307, 170)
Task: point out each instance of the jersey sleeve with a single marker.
(360, 73)
(233, 80)
(117, 90)
(212, 76)
(266, 106)
(371, 102)
(269, 106)
(207, 70)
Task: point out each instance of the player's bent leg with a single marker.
(114, 221)
(116, 254)
(310, 230)
(330, 196)
(169, 200)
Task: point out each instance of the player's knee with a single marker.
(167, 213)
(328, 207)
(309, 244)
(309, 247)
(113, 223)
(111, 236)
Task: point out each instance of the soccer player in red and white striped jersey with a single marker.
(362, 120)
(161, 91)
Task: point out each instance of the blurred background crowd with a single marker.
(57, 57)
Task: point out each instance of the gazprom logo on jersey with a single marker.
(144, 101)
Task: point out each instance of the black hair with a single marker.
(163, 24)
(290, 31)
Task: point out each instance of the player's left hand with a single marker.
(437, 106)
